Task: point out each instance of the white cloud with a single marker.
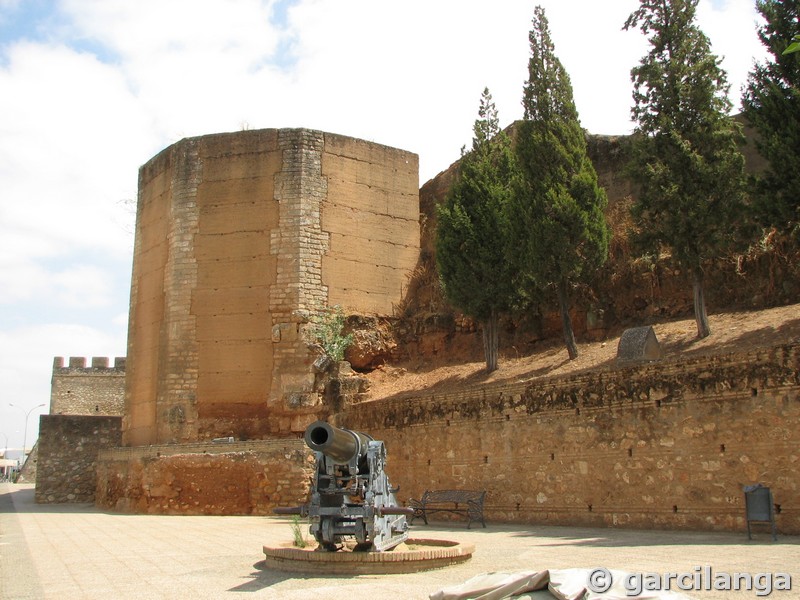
(21, 280)
(408, 75)
(239, 29)
(85, 286)
(72, 137)
(195, 67)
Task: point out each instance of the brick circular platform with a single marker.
(420, 555)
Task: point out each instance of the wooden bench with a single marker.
(468, 503)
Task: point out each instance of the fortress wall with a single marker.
(298, 243)
(78, 389)
(68, 449)
(205, 478)
(371, 214)
(667, 445)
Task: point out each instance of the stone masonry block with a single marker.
(638, 344)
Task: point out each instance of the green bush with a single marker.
(327, 327)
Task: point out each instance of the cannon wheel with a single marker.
(325, 536)
(363, 544)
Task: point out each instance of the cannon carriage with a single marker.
(350, 492)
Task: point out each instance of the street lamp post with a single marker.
(25, 433)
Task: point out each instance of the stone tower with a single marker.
(98, 389)
(240, 237)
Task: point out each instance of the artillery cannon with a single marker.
(350, 492)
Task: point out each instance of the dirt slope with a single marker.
(730, 332)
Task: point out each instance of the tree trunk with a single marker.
(491, 341)
(566, 322)
(700, 316)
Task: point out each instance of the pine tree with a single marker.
(686, 152)
(559, 227)
(472, 230)
(771, 103)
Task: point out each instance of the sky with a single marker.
(92, 89)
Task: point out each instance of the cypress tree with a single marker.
(559, 227)
(686, 151)
(472, 230)
(771, 103)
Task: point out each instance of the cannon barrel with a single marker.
(340, 445)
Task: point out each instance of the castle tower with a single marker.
(98, 389)
(240, 237)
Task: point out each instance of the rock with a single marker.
(369, 350)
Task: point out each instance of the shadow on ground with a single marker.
(264, 577)
(600, 538)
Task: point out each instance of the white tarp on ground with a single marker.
(562, 584)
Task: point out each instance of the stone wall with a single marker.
(27, 473)
(239, 478)
(665, 445)
(68, 448)
(240, 238)
(98, 389)
(77, 389)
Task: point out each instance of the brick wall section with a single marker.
(78, 389)
(176, 410)
(209, 479)
(668, 445)
(298, 240)
(68, 448)
(298, 243)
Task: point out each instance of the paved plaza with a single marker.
(74, 551)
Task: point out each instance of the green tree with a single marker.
(560, 231)
(771, 103)
(686, 151)
(471, 235)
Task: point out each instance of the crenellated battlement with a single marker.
(78, 365)
(83, 386)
